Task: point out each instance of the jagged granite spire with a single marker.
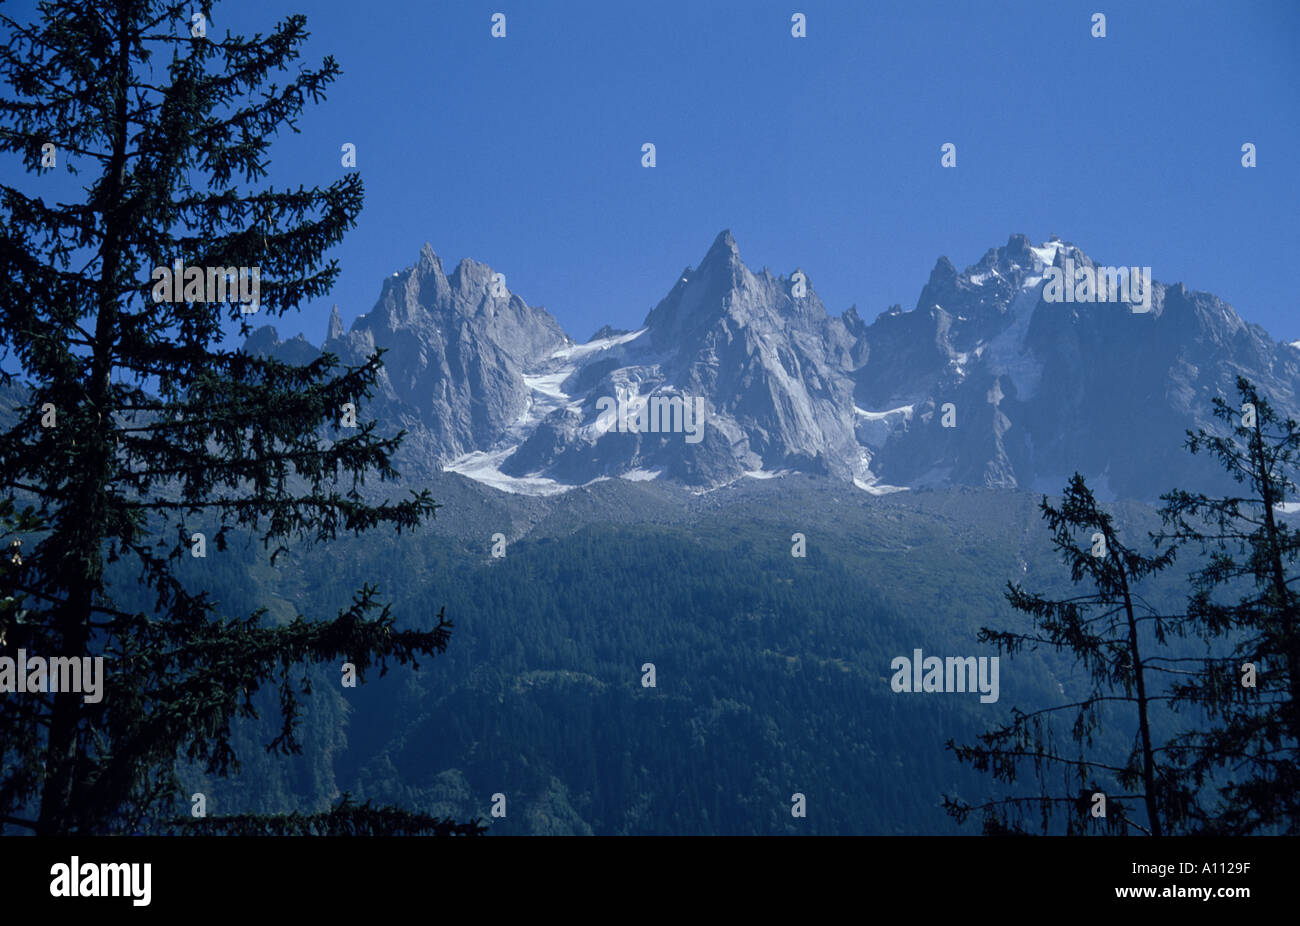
(493, 388)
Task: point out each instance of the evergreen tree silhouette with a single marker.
(1244, 598)
(134, 422)
(1104, 629)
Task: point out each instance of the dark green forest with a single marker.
(772, 672)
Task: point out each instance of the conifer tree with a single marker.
(1243, 598)
(1105, 629)
(130, 422)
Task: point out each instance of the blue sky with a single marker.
(824, 152)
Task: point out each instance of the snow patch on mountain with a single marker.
(485, 467)
(903, 410)
(580, 352)
(641, 475)
(877, 488)
(766, 474)
(1046, 254)
(1006, 353)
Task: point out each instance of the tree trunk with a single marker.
(83, 514)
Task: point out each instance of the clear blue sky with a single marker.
(824, 152)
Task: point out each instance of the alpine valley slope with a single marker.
(492, 388)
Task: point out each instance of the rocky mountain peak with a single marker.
(724, 248)
(335, 327)
(1030, 391)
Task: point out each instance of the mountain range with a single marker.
(984, 382)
